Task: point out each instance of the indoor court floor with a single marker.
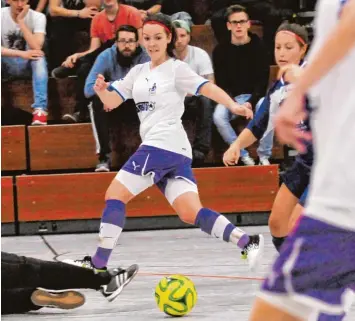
(226, 288)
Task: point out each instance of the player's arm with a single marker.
(339, 43)
(210, 78)
(254, 131)
(217, 94)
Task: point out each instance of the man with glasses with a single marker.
(113, 63)
(241, 69)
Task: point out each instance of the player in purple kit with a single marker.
(315, 272)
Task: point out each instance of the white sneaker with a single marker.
(247, 160)
(264, 161)
(254, 250)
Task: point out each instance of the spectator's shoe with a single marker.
(264, 161)
(61, 299)
(103, 166)
(39, 117)
(62, 72)
(120, 278)
(71, 118)
(253, 250)
(85, 263)
(247, 160)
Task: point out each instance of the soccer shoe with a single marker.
(84, 263)
(253, 250)
(120, 278)
(61, 299)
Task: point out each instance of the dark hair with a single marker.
(166, 21)
(297, 29)
(127, 28)
(233, 9)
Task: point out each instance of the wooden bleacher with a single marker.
(81, 196)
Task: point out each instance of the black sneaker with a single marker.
(61, 299)
(253, 250)
(85, 263)
(62, 72)
(120, 278)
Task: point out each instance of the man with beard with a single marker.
(113, 63)
(103, 30)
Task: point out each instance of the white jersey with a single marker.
(332, 193)
(159, 96)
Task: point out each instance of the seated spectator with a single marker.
(145, 7)
(113, 63)
(22, 37)
(200, 62)
(103, 30)
(69, 26)
(241, 69)
(178, 10)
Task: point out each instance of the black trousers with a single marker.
(200, 108)
(105, 121)
(21, 275)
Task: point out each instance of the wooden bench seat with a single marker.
(7, 200)
(13, 148)
(81, 196)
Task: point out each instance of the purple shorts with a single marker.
(169, 171)
(316, 267)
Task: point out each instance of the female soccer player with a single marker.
(164, 158)
(290, 47)
(315, 272)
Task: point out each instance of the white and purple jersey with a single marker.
(159, 95)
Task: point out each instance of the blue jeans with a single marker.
(222, 118)
(16, 67)
(266, 142)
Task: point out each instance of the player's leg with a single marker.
(182, 194)
(17, 300)
(282, 208)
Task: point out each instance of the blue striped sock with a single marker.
(219, 226)
(112, 223)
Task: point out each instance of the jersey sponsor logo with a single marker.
(145, 106)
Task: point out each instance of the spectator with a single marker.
(22, 37)
(145, 7)
(200, 62)
(69, 26)
(103, 30)
(113, 63)
(241, 69)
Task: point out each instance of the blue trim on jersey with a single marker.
(111, 88)
(199, 87)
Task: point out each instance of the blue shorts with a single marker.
(315, 269)
(296, 178)
(169, 171)
(302, 200)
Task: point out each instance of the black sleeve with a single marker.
(219, 68)
(262, 71)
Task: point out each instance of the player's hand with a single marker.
(107, 108)
(32, 54)
(290, 72)
(21, 16)
(100, 84)
(70, 61)
(287, 119)
(243, 110)
(231, 156)
(88, 12)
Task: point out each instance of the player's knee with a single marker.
(276, 224)
(117, 191)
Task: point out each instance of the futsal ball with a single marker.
(175, 295)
